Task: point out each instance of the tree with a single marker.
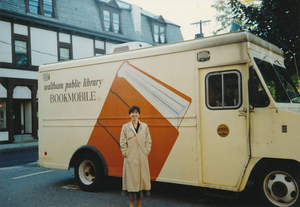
(225, 15)
(277, 21)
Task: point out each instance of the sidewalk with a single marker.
(28, 143)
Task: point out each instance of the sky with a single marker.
(183, 13)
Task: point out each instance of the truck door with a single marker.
(223, 124)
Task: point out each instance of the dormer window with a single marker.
(106, 19)
(111, 21)
(116, 22)
(159, 34)
(111, 17)
(159, 30)
(48, 8)
(34, 6)
(42, 7)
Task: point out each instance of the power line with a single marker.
(29, 49)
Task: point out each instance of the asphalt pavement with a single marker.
(25, 184)
(22, 151)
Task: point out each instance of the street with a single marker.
(17, 157)
(29, 185)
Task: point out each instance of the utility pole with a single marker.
(200, 22)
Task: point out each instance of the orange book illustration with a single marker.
(162, 108)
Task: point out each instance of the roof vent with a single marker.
(121, 49)
(128, 46)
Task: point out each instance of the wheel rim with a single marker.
(87, 172)
(280, 188)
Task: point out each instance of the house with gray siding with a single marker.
(36, 32)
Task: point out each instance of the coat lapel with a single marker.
(138, 140)
(132, 128)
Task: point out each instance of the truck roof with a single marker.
(207, 42)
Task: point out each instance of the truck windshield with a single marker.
(279, 82)
(288, 84)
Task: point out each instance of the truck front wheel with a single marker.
(89, 173)
(280, 188)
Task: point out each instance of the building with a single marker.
(36, 32)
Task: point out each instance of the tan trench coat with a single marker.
(135, 148)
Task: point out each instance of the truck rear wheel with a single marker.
(89, 173)
(280, 188)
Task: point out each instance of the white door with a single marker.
(223, 124)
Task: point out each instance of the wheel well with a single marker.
(269, 163)
(91, 150)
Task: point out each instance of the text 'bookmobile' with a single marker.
(221, 110)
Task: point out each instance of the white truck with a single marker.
(221, 110)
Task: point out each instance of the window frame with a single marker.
(240, 89)
(15, 36)
(40, 9)
(159, 25)
(65, 45)
(98, 51)
(5, 108)
(279, 86)
(263, 91)
(113, 23)
(18, 37)
(109, 20)
(111, 11)
(61, 44)
(52, 12)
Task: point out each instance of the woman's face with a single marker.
(134, 115)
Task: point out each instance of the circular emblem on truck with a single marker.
(223, 130)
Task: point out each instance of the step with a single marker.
(26, 138)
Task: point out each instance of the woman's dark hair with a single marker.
(132, 108)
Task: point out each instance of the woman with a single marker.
(135, 145)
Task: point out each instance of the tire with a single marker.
(280, 188)
(89, 173)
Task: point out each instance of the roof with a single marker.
(85, 17)
(125, 5)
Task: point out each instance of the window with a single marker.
(2, 114)
(111, 20)
(21, 51)
(162, 34)
(21, 54)
(273, 83)
(116, 22)
(159, 34)
(288, 83)
(34, 6)
(64, 51)
(64, 54)
(64, 47)
(156, 33)
(48, 8)
(223, 90)
(106, 19)
(257, 94)
(42, 7)
(279, 82)
(99, 47)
